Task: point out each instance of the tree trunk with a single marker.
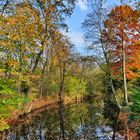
(114, 93)
(37, 60)
(7, 71)
(109, 74)
(124, 74)
(124, 63)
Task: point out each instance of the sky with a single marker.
(75, 22)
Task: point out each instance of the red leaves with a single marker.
(122, 30)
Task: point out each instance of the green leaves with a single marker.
(135, 97)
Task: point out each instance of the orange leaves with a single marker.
(49, 9)
(122, 30)
(123, 13)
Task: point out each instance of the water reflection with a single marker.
(83, 121)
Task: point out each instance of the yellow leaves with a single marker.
(138, 43)
(34, 76)
(6, 44)
(16, 38)
(54, 61)
(25, 34)
(3, 124)
(11, 21)
(12, 63)
(27, 14)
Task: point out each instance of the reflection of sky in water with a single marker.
(99, 132)
(87, 123)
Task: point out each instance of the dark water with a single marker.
(82, 121)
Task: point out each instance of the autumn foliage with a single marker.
(122, 29)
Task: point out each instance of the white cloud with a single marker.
(82, 4)
(76, 38)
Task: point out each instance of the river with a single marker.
(79, 121)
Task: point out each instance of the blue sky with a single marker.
(74, 22)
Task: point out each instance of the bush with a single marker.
(135, 98)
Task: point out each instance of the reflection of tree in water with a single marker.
(93, 125)
(124, 126)
(61, 121)
(119, 120)
(73, 122)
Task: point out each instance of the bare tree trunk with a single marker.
(124, 74)
(124, 63)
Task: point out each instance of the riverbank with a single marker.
(34, 106)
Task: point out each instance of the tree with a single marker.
(122, 34)
(62, 48)
(94, 25)
(26, 36)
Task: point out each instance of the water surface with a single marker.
(82, 121)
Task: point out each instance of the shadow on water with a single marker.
(81, 121)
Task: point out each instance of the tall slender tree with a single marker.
(122, 34)
(94, 26)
